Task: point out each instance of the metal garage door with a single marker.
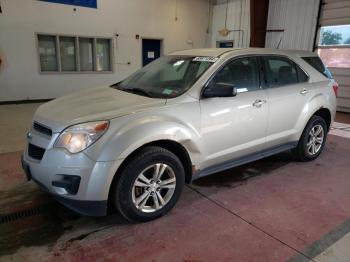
(335, 18)
(291, 24)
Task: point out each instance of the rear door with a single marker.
(288, 93)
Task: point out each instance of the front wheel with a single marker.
(150, 184)
(312, 140)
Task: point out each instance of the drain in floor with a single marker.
(11, 217)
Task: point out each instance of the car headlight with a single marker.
(78, 137)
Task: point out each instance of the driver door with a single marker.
(234, 127)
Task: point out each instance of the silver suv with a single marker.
(134, 145)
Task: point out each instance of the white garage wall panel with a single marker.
(337, 12)
(238, 17)
(342, 76)
(20, 20)
(298, 18)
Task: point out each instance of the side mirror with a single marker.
(220, 90)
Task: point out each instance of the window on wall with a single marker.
(102, 54)
(67, 53)
(86, 54)
(334, 46)
(48, 53)
(74, 53)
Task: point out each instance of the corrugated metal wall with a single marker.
(337, 12)
(342, 76)
(298, 18)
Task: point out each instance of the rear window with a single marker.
(316, 63)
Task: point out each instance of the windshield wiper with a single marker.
(116, 84)
(136, 90)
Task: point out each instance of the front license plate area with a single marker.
(26, 170)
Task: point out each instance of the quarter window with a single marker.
(242, 73)
(280, 71)
(74, 54)
(316, 63)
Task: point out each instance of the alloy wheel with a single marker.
(153, 187)
(315, 140)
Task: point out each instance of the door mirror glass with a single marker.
(220, 89)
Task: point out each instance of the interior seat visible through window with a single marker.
(242, 73)
(282, 71)
(286, 75)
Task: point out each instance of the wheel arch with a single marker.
(173, 146)
(325, 113)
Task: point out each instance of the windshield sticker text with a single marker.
(209, 59)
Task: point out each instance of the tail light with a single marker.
(335, 88)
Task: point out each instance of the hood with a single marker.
(92, 104)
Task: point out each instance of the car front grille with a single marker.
(35, 152)
(42, 129)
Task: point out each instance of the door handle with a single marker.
(259, 102)
(304, 91)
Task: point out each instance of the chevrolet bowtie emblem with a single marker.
(29, 136)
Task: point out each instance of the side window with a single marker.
(280, 71)
(242, 73)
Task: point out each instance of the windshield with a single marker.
(166, 77)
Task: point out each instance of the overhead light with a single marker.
(224, 32)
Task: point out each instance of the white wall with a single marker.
(337, 12)
(297, 18)
(234, 21)
(20, 20)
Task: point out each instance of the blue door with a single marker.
(150, 50)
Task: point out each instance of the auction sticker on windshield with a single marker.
(210, 59)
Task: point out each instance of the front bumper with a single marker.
(84, 207)
(52, 172)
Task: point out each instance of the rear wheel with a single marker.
(312, 140)
(150, 184)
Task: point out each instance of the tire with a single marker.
(131, 187)
(310, 147)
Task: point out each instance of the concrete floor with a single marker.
(15, 120)
(270, 210)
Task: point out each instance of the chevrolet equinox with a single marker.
(133, 145)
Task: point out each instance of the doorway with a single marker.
(151, 50)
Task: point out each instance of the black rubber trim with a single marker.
(70, 183)
(84, 207)
(244, 160)
(27, 101)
